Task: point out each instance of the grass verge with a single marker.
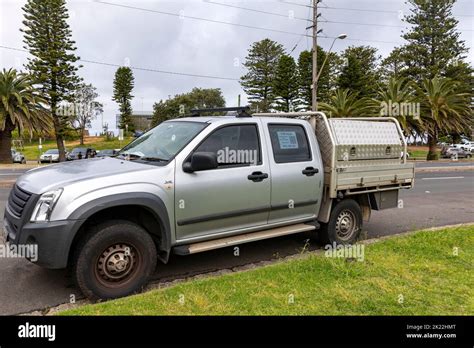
(425, 273)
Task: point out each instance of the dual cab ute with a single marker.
(199, 183)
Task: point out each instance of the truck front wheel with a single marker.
(345, 224)
(115, 259)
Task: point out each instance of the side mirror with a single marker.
(201, 161)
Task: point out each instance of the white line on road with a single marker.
(444, 178)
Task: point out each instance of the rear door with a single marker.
(296, 171)
(231, 198)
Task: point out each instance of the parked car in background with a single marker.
(106, 153)
(51, 155)
(468, 146)
(18, 157)
(454, 152)
(81, 153)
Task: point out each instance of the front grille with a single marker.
(17, 201)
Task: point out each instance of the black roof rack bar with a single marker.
(242, 111)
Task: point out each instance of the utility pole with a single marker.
(314, 89)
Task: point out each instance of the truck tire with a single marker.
(344, 225)
(114, 260)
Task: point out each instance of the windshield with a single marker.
(163, 142)
(52, 152)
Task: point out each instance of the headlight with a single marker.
(45, 206)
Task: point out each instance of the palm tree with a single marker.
(443, 109)
(344, 103)
(398, 99)
(21, 107)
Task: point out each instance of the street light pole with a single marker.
(316, 79)
(314, 87)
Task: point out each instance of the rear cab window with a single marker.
(289, 143)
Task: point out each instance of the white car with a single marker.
(52, 155)
(18, 157)
(468, 146)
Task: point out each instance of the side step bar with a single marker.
(243, 238)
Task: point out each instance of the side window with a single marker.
(289, 143)
(236, 145)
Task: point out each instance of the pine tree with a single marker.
(261, 62)
(392, 66)
(433, 42)
(305, 77)
(327, 79)
(285, 84)
(435, 50)
(48, 39)
(359, 73)
(123, 86)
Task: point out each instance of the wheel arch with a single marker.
(144, 209)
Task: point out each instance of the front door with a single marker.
(231, 198)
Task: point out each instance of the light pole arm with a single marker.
(324, 62)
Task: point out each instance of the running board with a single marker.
(240, 239)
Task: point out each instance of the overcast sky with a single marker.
(107, 33)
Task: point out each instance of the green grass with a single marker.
(418, 154)
(421, 267)
(32, 152)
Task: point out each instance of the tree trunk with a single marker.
(82, 136)
(432, 143)
(6, 143)
(59, 138)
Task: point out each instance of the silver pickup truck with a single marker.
(200, 183)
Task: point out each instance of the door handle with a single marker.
(310, 171)
(257, 176)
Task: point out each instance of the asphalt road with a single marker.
(438, 199)
(10, 174)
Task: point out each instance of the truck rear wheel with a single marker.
(116, 259)
(345, 224)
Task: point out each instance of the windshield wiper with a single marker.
(153, 159)
(128, 156)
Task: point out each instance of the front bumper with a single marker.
(53, 239)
